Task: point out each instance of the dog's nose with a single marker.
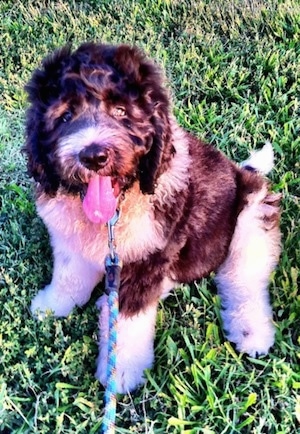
(94, 156)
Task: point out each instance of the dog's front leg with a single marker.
(73, 281)
(142, 284)
(135, 335)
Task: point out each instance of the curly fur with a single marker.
(186, 210)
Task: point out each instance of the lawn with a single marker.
(233, 68)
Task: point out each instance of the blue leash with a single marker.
(112, 284)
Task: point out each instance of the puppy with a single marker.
(100, 136)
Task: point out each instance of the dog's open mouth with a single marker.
(101, 198)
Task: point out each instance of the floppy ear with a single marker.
(161, 151)
(145, 76)
(38, 162)
(42, 89)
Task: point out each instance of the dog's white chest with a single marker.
(137, 233)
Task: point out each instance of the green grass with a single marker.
(233, 69)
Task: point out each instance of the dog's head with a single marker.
(99, 110)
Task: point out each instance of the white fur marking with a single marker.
(71, 145)
(262, 160)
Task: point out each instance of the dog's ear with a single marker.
(42, 89)
(38, 155)
(145, 76)
(156, 160)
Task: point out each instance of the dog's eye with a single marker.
(118, 112)
(67, 116)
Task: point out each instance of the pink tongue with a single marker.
(99, 203)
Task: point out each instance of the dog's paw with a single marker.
(129, 373)
(253, 338)
(256, 344)
(46, 302)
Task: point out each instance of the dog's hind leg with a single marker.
(242, 280)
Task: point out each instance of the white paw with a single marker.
(48, 302)
(129, 371)
(252, 337)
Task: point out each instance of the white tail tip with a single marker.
(262, 160)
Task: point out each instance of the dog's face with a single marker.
(99, 110)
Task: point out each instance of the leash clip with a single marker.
(113, 264)
(111, 236)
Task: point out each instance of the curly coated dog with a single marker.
(100, 136)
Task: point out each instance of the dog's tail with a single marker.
(261, 161)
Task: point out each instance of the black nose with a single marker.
(94, 156)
